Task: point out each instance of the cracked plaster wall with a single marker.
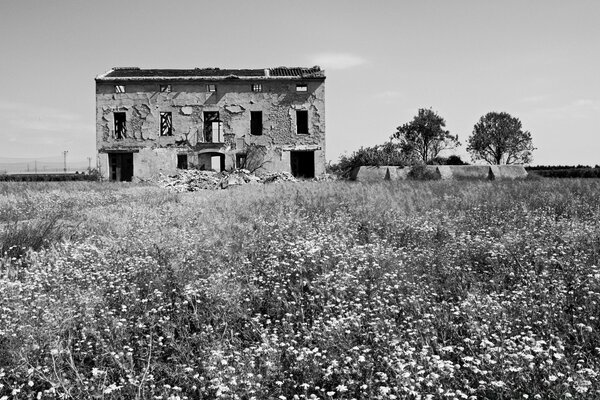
(234, 100)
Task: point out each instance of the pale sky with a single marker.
(538, 60)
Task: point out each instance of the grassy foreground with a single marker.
(422, 290)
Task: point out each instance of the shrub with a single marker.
(420, 172)
(389, 153)
(452, 160)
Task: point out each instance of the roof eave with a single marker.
(101, 76)
(104, 78)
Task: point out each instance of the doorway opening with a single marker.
(120, 166)
(302, 164)
(211, 161)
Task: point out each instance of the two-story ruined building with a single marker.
(150, 121)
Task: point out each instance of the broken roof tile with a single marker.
(120, 73)
(297, 71)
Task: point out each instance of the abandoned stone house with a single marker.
(151, 121)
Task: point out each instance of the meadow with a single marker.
(314, 290)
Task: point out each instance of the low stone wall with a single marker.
(445, 172)
(508, 172)
(370, 174)
(466, 172)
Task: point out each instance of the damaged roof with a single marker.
(135, 73)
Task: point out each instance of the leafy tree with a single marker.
(425, 137)
(498, 138)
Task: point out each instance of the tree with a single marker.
(425, 137)
(498, 138)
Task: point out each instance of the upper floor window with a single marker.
(211, 88)
(213, 127)
(301, 88)
(257, 87)
(256, 124)
(302, 122)
(119, 88)
(165, 88)
(120, 125)
(166, 124)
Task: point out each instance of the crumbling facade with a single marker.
(151, 121)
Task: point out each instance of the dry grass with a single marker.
(313, 290)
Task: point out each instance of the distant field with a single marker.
(328, 290)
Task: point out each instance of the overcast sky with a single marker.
(537, 60)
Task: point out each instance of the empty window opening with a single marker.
(256, 125)
(302, 164)
(302, 122)
(166, 124)
(120, 125)
(213, 127)
(256, 87)
(240, 161)
(182, 161)
(301, 88)
(165, 88)
(211, 88)
(119, 88)
(120, 166)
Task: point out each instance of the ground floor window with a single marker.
(240, 160)
(182, 161)
(302, 164)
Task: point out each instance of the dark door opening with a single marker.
(120, 166)
(303, 164)
(211, 161)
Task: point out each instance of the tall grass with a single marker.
(315, 290)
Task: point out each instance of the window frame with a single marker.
(301, 87)
(210, 86)
(256, 87)
(167, 88)
(118, 90)
(120, 133)
(167, 116)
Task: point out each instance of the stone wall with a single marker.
(234, 100)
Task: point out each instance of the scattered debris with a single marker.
(192, 180)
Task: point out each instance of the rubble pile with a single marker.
(191, 180)
(277, 177)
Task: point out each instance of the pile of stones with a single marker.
(192, 180)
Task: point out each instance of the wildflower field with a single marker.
(313, 290)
